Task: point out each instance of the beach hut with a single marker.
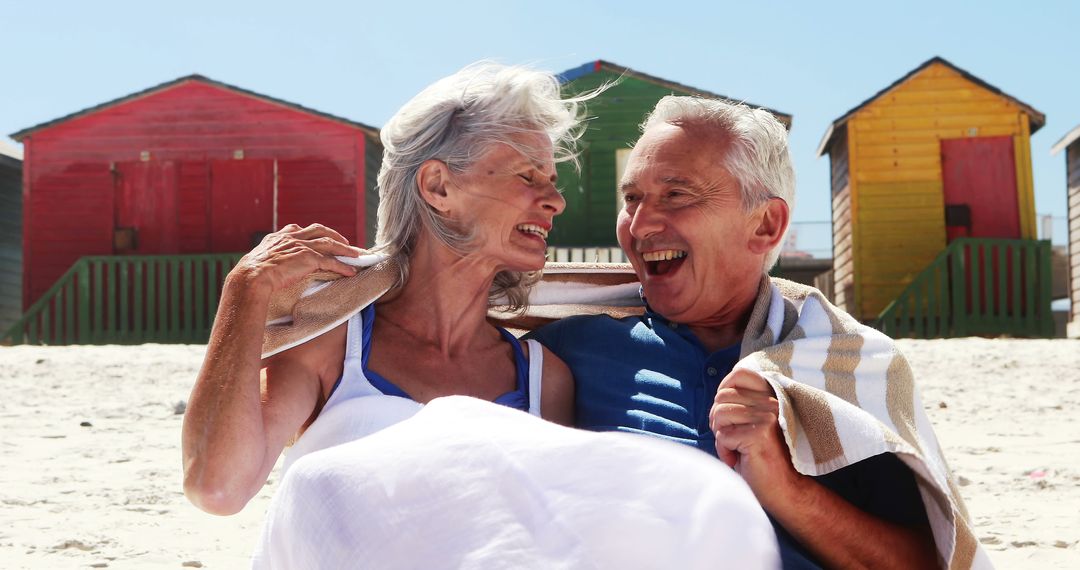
(10, 234)
(591, 200)
(1070, 143)
(191, 167)
(938, 157)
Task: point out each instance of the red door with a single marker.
(144, 206)
(980, 174)
(241, 203)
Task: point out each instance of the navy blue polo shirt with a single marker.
(674, 378)
(653, 376)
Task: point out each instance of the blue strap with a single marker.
(518, 399)
(381, 384)
(521, 364)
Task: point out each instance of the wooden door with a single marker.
(979, 176)
(144, 208)
(241, 203)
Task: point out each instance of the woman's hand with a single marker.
(286, 256)
(236, 424)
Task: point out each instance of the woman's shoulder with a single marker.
(557, 394)
(322, 355)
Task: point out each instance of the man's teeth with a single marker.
(664, 255)
(533, 228)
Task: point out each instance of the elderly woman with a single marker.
(467, 198)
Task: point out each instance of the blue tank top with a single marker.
(517, 399)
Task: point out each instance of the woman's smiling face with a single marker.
(507, 200)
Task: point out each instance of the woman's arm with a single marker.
(557, 392)
(239, 416)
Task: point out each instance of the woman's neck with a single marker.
(444, 302)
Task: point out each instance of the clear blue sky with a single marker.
(362, 60)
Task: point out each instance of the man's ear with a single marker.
(770, 225)
(431, 180)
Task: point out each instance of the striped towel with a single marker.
(846, 394)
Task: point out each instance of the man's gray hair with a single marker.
(456, 120)
(758, 157)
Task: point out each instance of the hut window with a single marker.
(125, 240)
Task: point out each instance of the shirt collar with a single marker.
(683, 331)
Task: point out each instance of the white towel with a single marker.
(470, 484)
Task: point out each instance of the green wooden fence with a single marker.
(128, 300)
(977, 287)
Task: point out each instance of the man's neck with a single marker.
(729, 325)
(717, 338)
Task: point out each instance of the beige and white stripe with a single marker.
(847, 394)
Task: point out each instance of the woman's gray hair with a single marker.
(758, 159)
(455, 120)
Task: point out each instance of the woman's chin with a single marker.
(525, 268)
(527, 263)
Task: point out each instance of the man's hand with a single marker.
(744, 418)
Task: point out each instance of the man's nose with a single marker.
(646, 221)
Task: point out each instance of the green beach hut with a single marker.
(591, 200)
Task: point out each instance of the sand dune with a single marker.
(90, 473)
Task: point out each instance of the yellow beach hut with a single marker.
(935, 162)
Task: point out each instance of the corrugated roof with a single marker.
(368, 129)
(9, 150)
(1036, 118)
(599, 64)
(1065, 141)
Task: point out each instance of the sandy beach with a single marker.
(90, 474)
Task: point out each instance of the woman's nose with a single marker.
(553, 200)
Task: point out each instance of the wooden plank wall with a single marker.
(843, 260)
(10, 241)
(589, 218)
(897, 197)
(1073, 173)
(373, 151)
(193, 124)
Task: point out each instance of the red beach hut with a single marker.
(152, 181)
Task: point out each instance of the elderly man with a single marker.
(707, 191)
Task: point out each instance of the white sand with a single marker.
(108, 495)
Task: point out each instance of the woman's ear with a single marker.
(769, 225)
(431, 180)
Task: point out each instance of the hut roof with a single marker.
(368, 129)
(1065, 141)
(1036, 118)
(9, 150)
(602, 65)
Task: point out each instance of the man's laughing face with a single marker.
(683, 226)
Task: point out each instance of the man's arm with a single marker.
(745, 420)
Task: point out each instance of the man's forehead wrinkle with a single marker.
(719, 185)
(677, 181)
